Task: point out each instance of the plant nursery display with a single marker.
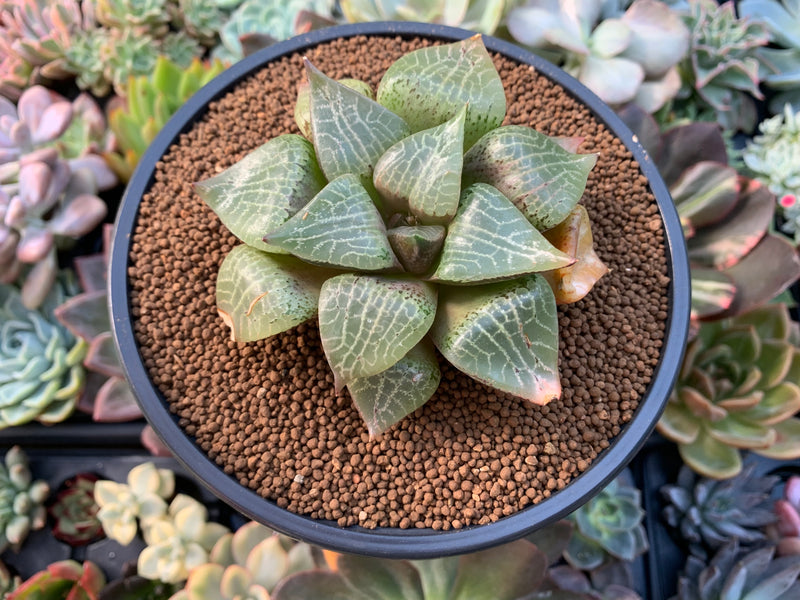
(313, 458)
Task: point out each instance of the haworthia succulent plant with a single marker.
(399, 239)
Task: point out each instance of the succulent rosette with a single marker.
(423, 218)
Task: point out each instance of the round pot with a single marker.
(391, 541)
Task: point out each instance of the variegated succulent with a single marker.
(721, 74)
(623, 54)
(737, 261)
(786, 530)
(737, 388)
(123, 506)
(404, 209)
(147, 103)
(62, 579)
(483, 16)
(74, 511)
(246, 565)
(49, 179)
(41, 375)
(21, 500)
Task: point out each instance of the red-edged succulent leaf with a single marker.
(687, 145)
(85, 315)
(713, 292)
(115, 402)
(150, 440)
(91, 272)
(102, 356)
(705, 193)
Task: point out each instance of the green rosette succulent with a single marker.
(737, 390)
(609, 525)
(437, 236)
(246, 565)
(21, 500)
(740, 574)
(42, 375)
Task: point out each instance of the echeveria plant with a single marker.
(423, 216)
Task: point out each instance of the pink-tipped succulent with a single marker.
(34, 35)
(62, 579)
(46, 199)
(787, 530)
(75, 511)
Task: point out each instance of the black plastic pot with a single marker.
(387, 542)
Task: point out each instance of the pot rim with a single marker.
(396, 542)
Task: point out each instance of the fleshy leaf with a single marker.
(302, 109)
(711, 458)
(351, 132)
(85, 315)
(712, 292)
(115, 402)
(417, 246)
(490, 239)
(573, 237)
(368, 323)
(542, 179)
(503, 334)
(260, 294)
(678, 424)
(384, 399)
(505, 573)
(102, 356)
(705, 193)
(431, 85)
(264, 189)
(380, 578)
(422, 173)
(785, 446)
(740, 434)
(313, 584)
(340, 227)
(779, 403)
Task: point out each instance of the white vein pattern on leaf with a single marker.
(515, 361)
(355, 348)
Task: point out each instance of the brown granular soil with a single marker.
(267, 413)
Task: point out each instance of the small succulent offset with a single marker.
(786, 531)
(147, 103)
(178, 541)
(609, 525)
(143, 497)
(737, 263)
(507, 572)
(8, 582)
(21, 500)
(62, 579)
(46, 199)
(482, 16)
(41, 370)
(773, 157)
(74, 511)
(721, 74)
(709, 513)
(387, 193)
(621, 57)
(740, 574)
(246, 565)
(737, 390)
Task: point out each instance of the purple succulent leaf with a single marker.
(102, 356)
(94, 381)
(687, 145)
(553, 539)
(615, 79)
(788, 519)
(16, 214)
(150, 440)
(79, 216)
(35, 244)
(90, 113)
(91, 272)
(115, 403)
(54, 121)
(85, 315)
(48, 156)
(569, 578)
(39, 280)
(9, 273)
(35, 179)
(7, 108)
(7, 154)
(8, 245)
(20, 135)
(771, 267)
(791, 492)
(705, 193)
(725, 244)
(32, 104)
(104, 177)
(644, 127)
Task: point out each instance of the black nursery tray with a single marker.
(110, 452)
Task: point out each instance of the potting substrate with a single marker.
(267, 412)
